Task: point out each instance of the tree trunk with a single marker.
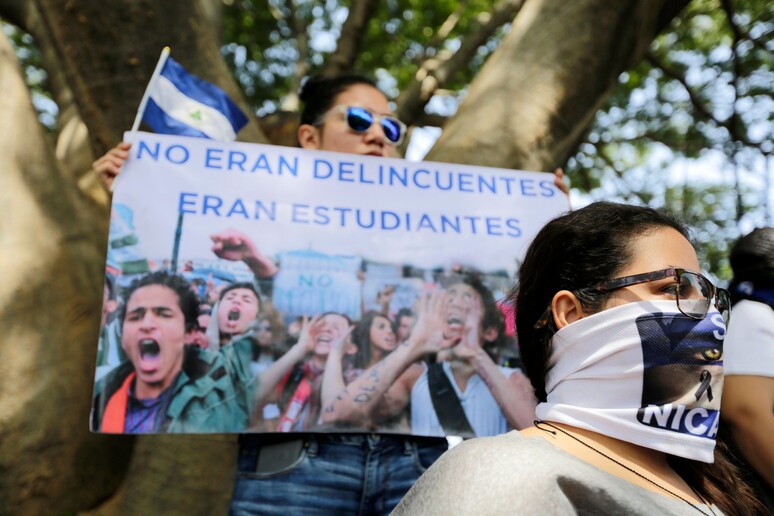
(106, 54)
(176, 474)
(537, 94)
(53, 241)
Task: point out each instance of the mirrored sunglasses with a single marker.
(360, 119)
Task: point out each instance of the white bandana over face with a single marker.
(643, 373)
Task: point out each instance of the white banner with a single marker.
(390, 210)
(348, 234)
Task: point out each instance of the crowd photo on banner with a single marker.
(248, 354)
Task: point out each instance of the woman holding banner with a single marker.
(328, 473)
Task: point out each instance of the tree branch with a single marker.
(275, 12)
(702, 110)
(447, 26)
(15, 12)
(352, 32)
(739, 32)
(619, 174)
(734, 120)
(437, 71)
(430, 120)
(298, 26)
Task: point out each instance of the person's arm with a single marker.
(271, 376)
(108, 166)
(560, 183)
(357, 402)
(514, 393)
(234, 245)
(506, 474)
(384, 298)
(748, 407)
(333, 375)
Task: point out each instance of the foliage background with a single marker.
(666, 102)
(688, 128)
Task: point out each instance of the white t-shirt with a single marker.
(748, 348)
(480, 407)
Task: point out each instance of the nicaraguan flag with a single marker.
(181, 103)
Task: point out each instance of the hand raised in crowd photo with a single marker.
(233, 245)
(486, 398)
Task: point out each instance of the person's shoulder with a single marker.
(113, 379)
(753, 310)
(499, 460)
(751, 322)
(501, 449)
(198, 362)
(485, 475)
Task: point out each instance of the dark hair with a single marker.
(752, 259)
(278, 345)
(403, 312)
(492, 316)
(187, 299)
(333, 312)
(572, 252)
(361, 336)
(579, 249)
(319, 92)
(240, 284)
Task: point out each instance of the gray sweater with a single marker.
(512, 474)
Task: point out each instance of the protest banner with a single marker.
(288, 253)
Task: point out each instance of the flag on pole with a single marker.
(177, 102)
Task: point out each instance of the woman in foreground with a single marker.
(621, 338)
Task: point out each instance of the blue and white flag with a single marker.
(182, 104)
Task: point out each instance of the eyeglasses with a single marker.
(360, 119)
(694, 293)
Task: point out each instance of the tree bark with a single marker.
(537, 94)
(105, 55)
(176, 474)
(49, 311)
(353, 30)
(435, 72)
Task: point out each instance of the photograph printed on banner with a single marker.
(254, 288)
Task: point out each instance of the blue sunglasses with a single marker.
(359, 119)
